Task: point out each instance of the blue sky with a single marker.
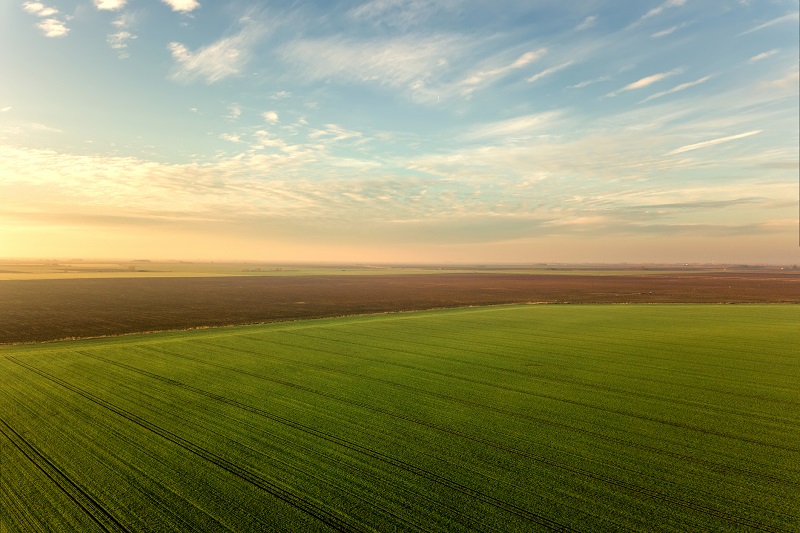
(400, 130)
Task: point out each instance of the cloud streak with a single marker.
(763, 55)
(548, 71)
(647, 81)
(484, 77)
(586, 23)
(669, 4)
(713, 142)
(791, 17)
(677, 88)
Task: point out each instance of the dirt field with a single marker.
(42, 310)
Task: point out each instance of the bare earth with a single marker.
(50, 309)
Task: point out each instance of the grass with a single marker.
(511, 418)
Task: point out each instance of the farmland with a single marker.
(508, 418)
(36, 310)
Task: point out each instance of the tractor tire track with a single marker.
(551, 397)
(616, 440)
(642, 491)
(298, 502)
(91, 507)
(398, 463)
(577, 382)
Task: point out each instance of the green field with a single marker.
(511, 418)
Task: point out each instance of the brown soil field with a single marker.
(50, 309)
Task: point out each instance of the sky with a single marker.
(436, 131)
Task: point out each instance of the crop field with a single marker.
(51, 309)
(507, 418)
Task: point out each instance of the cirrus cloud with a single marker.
(218, 60)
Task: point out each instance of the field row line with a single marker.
(399, 463)
(91, 507)
(261, 338)
(416, 390)
(636, 489)
(551, 397)
(544, 339)
(309, 507)
(518, 326)
(296, 445)
(550, 341)
(523, 328)
(530, 374)
(517, 356)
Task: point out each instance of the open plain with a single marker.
(507, 418)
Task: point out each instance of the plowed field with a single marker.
(42, 310)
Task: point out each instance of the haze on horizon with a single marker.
(401, 130)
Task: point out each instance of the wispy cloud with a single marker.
(270, 116)
(586, 23)
(514, 127)
(663, 7)
(586, 83)
(401, 13)
(669, 31)
(475, 80)
(790, 81)
(403, 62)
(791, 17)
(548, 71)
(664, 33)
(231, 137)
(119, 42)
(124, 20)
(234, 112)
(182, 6)
(119, 39)
(334, 133)
(110, 5)
(763, 55)
(677, 88)
(713, 142)
(5, 109)
(218, 60)
(645, 82)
